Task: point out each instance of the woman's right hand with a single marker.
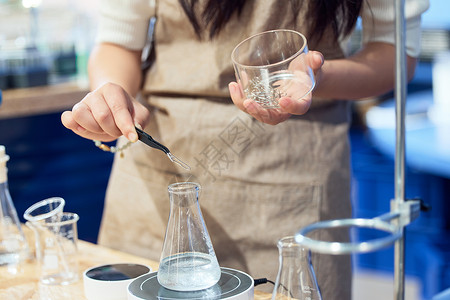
(105, 114)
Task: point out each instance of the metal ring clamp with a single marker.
(337, 248)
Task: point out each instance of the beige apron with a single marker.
(259, 182)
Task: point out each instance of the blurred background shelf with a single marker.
(41, 100)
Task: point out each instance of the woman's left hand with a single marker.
(288, 106)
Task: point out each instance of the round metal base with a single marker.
(233, 284)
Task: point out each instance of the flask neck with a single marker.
(3, 173)
(3, 159)
(296, 278)
(5, 199)
(3, 186)
(184, 194)
(294, 257)
(290, 250)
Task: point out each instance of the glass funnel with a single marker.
(296, 278)
(188, 261)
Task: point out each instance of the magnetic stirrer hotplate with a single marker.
(233, 284)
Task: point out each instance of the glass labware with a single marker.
(296, 278)
(56, 249)
(45, 211)
(40, 214)
(273, 64)
(188, 261)
(13, 245)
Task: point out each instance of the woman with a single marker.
(260, 182)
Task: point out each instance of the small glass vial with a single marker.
(188, 261)
(296, 278)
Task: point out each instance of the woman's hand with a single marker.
(105, 114)
(288, 106)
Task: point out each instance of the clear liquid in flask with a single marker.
(189, 271)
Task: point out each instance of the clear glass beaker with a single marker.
(56, 249)
(273, 64)
(188, 261)
(54, 232)
(296, 278)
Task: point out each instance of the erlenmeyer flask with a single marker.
(13, 245)
(296, 278)
(188, 261)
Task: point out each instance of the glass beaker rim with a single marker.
(275, 31)
(186, 186)
(28, 213)
(66, 218)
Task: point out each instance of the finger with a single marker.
(295, 107)
(103, 115)
(69, 122)
(141, 114)
(122, 109)
(236, 95)
(315, 60)
(82, 115)
(268, 116)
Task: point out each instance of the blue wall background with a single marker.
(47, 160)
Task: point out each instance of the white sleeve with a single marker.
(124, 22)
(378, 20)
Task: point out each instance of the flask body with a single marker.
(188, 261)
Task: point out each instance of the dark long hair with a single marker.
(340, 15)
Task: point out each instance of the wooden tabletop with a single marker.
(23, 283)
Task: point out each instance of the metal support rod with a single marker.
(402, 212)
(400, 97)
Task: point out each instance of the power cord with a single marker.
(262, 281)
(265, 280)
